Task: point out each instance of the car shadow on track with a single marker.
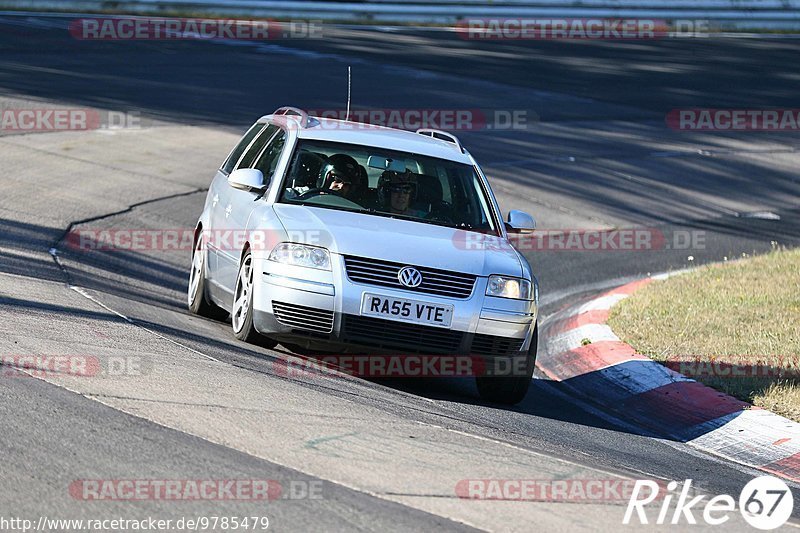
(676, 413)
(545, 399)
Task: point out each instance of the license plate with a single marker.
(404, 310)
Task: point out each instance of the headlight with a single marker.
(504, 287)
(301, 255)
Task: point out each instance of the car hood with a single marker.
(400, 241)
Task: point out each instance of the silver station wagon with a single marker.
(337, 236)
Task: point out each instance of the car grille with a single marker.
(411, 338)
(305, 318)
(434, 281)
(490, 345)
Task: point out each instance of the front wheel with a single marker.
(242, 312)
(510, 390)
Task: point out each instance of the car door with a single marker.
(218, 193)
(235, 207)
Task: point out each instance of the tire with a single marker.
(510, 390)
(242, 309)
(197, 299)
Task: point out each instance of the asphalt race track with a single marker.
(596, 152)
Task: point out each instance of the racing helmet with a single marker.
(340, 166)
(391, 179)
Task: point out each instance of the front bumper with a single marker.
(322, 309)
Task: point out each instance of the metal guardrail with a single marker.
(768, 14)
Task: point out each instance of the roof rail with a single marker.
(442, 136)
(288, 110)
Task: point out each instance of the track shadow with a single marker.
(172, 79)
(209, 342)
(24, 250)
(545, 399)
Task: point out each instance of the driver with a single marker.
(341, 175)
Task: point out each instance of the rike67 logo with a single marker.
(765, 503)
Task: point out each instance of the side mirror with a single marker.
(247, 179)
(520, 222)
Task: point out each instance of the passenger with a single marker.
(396, 193)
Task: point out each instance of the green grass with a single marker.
(744, 313)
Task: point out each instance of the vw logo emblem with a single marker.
(409, 277)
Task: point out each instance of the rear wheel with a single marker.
(242, 312)
(512, 389)
(197, 300)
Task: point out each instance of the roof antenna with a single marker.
(348, 94)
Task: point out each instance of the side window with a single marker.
(447, 195)
(227, 167)
(255, 148)
(269, 159)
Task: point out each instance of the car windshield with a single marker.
(382, 182)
